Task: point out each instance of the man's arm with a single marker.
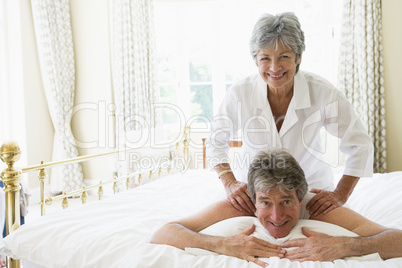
(184, 233)
(373, 238)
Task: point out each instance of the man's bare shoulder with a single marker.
(351, 221)
(212, 214)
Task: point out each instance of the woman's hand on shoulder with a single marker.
(238, 196)
(324, 202)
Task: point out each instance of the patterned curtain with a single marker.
(56, 57)
(133, 68)
(361, 71)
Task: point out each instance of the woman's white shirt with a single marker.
(316, 103)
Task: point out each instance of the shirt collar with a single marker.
(258, 97)
(301, 92)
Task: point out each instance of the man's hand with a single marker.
(249, 248)
(316, 247)
(239, 196)
(324, 202)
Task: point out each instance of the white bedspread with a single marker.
(115, 232)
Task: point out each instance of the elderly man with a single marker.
(277, 186)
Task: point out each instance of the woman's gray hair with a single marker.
(276, 168)
(271, 29)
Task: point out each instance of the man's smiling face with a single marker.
(278, 211)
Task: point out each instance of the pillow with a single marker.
(236, 225)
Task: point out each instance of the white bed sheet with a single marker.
(115, 232)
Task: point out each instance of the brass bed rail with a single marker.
(83, 191)
(10, 153)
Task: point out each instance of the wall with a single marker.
(392, 44)
(39, 128)
(92, 124)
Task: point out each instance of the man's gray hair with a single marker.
(276, 168)
(271, 29)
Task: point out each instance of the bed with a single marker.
(115, 231)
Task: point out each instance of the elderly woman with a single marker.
(284, 107)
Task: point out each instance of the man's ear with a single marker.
(256, 211)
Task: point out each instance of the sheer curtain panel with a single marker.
(133, 68)
(12, 110)
(361, 74)
(56, 57)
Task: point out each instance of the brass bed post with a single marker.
(204, 153)
(186, 146)
(42, 177)
(150, 176)
(10, 153)
(176, 161)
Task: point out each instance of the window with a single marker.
(202, 48)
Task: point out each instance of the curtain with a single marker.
(56, 58)
(361, 71)
(133, 69)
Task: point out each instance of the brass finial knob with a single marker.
(10, 152)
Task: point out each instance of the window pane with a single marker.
(236, 59)
(201, 99)
(168, 93)
(166, 63)
(168, 96)
(200, 63)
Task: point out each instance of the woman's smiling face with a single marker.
(277, 66)
(278, 211)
